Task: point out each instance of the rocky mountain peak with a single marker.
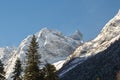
(77, 35)
(45, 31)
(109, 34)
(53, 47)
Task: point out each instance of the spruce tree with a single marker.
(17, 70)
(32, 66)
(42, 74)
(2, 76)
(50, 71)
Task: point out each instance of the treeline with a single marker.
(32, 70)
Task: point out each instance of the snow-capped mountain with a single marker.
(54, 47)
(108, 35)
(6, 53)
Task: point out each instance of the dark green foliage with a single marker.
(42, 74)
(17, 70)
(32, 68)
(32, 71)
(50, 72)
(2, 71)
(105, 66)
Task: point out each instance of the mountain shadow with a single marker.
(103, 66)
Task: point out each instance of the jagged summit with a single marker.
(45, 31)
(51, 42)
(109, 34)
(77, 35)
(53, 47)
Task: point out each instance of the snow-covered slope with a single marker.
(104, 65)
(6, 53)
(54, 47)
(109, 34)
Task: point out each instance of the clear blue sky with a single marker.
(19, 18)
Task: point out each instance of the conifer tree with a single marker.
(50, 71)
(42, 74)
(32, 66)
(17, 70)
(2, 77)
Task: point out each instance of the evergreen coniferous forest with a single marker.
(50, 72)
(17, 70)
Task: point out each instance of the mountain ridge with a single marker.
(59, 49)
(53, 47)
(108, 35)
(105, 65)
